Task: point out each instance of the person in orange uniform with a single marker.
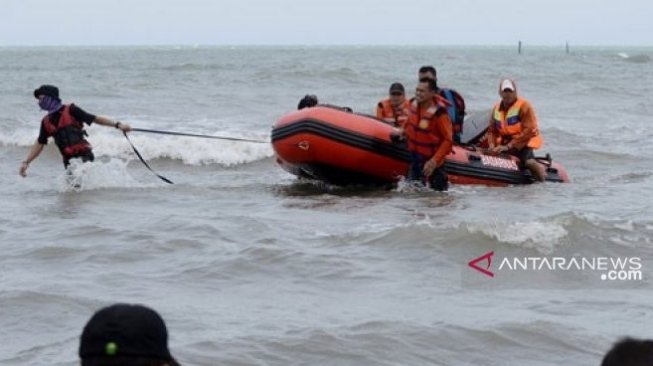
(513, 128)
(429, 135)
(393, 109)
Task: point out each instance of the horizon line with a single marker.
(196, 45)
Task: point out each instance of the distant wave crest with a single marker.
(639, 58)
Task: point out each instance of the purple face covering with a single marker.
(50, 104)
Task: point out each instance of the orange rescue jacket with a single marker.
(429, 132)
(385, 111)
(516, 124)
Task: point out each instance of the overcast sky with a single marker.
(316, 22)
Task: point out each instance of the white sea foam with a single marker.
(541, 236)
(193, 151)
(99, 175)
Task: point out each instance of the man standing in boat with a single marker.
(456, 106)
(429, 136)
(393, 109)
(513, 128)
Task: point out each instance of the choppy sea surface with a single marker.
(250, 266)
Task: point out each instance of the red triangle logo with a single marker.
(487, 256)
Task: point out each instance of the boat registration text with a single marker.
(497, 162)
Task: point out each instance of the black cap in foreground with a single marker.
(125, 330)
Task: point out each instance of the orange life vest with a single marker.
(421, 132)
(452, 110)
(508, 124)
(68, 134)
(386, 110)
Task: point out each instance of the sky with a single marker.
(325, 22)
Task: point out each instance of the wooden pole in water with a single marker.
(519, 47)
(567, 47)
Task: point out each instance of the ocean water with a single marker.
(250, 266)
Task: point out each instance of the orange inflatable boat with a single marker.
(342, 148)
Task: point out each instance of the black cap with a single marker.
(397, 87)
(50, 90)
(124, 330)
